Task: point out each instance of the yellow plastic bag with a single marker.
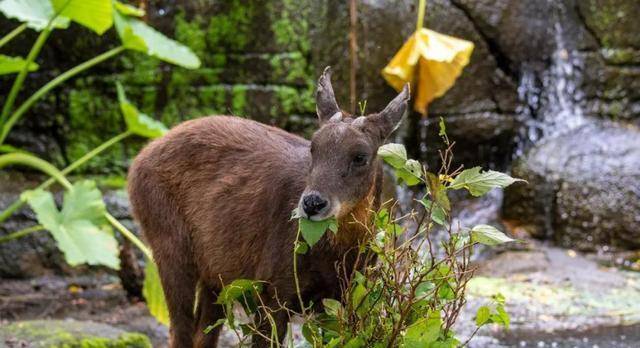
(431, 62)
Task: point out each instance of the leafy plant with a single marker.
(83, 227)
(408, 285)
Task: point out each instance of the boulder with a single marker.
(69, 333)
(583, 188)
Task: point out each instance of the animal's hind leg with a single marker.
(208, 313)
(179, 280)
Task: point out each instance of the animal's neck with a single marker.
(357, 224)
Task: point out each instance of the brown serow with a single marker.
(214, 199)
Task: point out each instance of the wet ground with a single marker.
(556, 297)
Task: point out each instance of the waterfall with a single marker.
(551, 99)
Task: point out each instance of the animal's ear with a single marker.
(326, 105)
(386, 121)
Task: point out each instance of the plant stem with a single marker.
(34, 162)
(15, 32)
(6, 127)
(17, 84)
(21, 233)
(422, 4)
(129, 235)
(295, 271)
(73, 166)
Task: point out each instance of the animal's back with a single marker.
(214, 189)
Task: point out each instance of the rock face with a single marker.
(584, 188)
(68, 333)
(261, 58)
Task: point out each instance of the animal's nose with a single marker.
(312, 204)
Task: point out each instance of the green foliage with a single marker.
(312, 231)
(93, 14)
(79, 228)
(36, 13)
(153, 293)
(411, 295)
(127, 9)
(478, 183)
(138, 36)
(408, 171)
(137, 122)
(489, 235)
(10, 65)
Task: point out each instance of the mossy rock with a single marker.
(69, 334)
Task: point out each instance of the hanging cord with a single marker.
(353, 48)
(422, 5)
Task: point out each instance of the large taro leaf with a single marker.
(153, 294)
(127, 9)
(36, 13)
(138, 36)
(96, 15)
(79, 228)
(137, 122)
(10, 65)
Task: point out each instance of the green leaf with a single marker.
(301, 247)
(332, 307)
(78, 229)
(137, 122)
(438, 191)
(410, 173)
(218, 322)
(438, 215)
(442, 128)
(96, 15)
(312, 231)
(423, 332)
(36, 13)
(489, 235)
(237, 289)
(153, 293)
(10, 65)
(482, 315)
(128, 10)
(356, 342)
(138, 36)
(480, 183)
(394, 154)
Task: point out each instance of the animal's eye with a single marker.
(359, 160)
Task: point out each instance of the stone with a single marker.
(69, 333)
(583, 188)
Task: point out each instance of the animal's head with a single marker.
(344, 164)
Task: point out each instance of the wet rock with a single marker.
(69, 333)
(584, 188)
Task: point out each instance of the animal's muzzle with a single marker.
(313, 203)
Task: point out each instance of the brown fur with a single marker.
(214, 198)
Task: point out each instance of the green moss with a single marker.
(93, 119)
(71, 334)
(231, 29)
(117, 181)
(191, 33)
(239, 100)
(289, 25)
